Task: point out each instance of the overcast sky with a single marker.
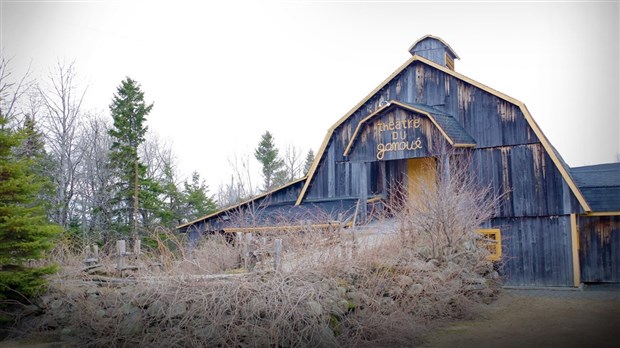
(222, 73)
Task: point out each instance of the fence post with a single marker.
(120, 250)
(250, 260)
(136, 247)
(277, 255)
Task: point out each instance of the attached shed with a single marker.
(394, 132)
(599, 231)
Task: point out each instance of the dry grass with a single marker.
(378, 286)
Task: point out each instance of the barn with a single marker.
(557, 226)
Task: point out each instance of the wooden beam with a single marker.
(575, 248)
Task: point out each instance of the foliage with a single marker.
(129, 112)
(197, 201)
(308, 162)
(267, 155)
(25, 232)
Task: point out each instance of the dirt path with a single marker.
(540, 318)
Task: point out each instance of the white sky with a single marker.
(220, 74)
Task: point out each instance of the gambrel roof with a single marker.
(559, 163)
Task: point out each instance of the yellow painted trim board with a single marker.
(528, 117)
(575, 249)
(242, 203)
(608, 213)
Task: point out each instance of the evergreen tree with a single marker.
(129, 113)
(25, 232)
(32, 148)
(198, 202)
(172, 200)
(309, 161)
(267, 154)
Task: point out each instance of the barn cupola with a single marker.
(435, 49)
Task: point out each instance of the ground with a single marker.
(539, 318)
(519, 318)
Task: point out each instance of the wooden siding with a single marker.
(492, 121)
(599, 248)
(525, 177)
(536, 250)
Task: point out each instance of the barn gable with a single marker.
(492, 118)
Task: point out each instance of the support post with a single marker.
(277, 255)
(363, 193)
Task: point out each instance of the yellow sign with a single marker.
(399, 142)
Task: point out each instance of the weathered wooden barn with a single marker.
(560, 226)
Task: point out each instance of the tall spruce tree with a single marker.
(129, 112)
(267, 154)
(25, 231)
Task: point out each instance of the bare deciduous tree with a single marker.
(62, 103)
(93, 195)
(12, 91)
(293, 162)
(241, 185)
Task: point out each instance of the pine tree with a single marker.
(129, 113)
(198, 202)
(25, 232)
(267, 154)
(309, 161)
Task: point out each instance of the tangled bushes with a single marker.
(380, 285)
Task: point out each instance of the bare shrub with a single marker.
(380, 285)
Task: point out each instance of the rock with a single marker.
(128, 308)
(415, 290)
(55, 304)
(204, 333)
(178, 310)
(31, 309)
(100, 313)
(403, 281)
(342, 291)
(155, 309)
(432, 264)
(66, 334)
(131, 325)
(315, 308)
(323, 338)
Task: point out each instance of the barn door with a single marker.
(420, 173)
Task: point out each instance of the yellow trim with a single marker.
(608, 213)
(528, 117)
(242, 203)
(436, 38)
(374, 199)
(497, 239)
(407, 107)
(575, 248)
(284, 228)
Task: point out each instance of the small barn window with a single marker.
(449, 62)
(492, 239)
